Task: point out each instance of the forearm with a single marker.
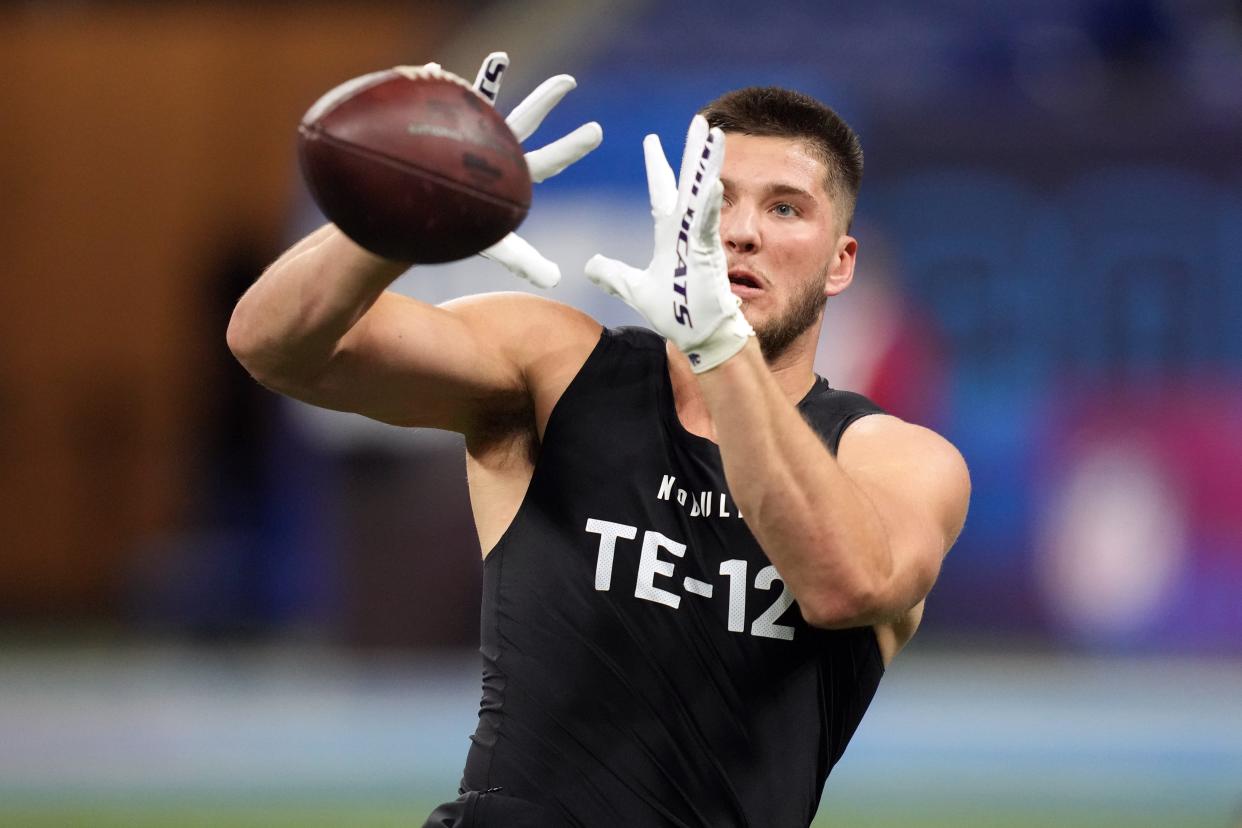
(818, 528)
(293, 317)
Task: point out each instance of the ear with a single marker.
(841, 268)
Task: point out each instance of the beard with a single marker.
(776, 335)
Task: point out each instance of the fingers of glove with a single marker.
(610, 275)
(661, 185)
(549, 160)
(529, 114)
(700, 166)
(696, 191)
(707, 232)
(696, 137)
(703, 197)
(522, 259)
(491, 72)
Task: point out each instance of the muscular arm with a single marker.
(320, 326)
(858, 538)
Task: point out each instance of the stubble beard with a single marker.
(776, 335)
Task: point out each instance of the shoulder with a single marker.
(914, 464)
(883, 434)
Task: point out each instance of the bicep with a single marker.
(920, 488)
(409, 363)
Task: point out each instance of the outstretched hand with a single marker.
(684, 293)
(514, 252)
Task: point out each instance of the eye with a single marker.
(785, 209)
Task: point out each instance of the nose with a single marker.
(739, 228)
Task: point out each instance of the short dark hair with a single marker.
(783, 113)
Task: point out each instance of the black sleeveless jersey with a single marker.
(644, 664)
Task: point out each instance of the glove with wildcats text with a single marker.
(513, 251)
(684, 293)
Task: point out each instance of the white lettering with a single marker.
(736, 570)
(724, 510)
(696, 587)
(705, 501)
(608, 533)
(666, 487)
(681, 496)
(650, 565)
(765, 625)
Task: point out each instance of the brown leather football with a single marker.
(414, 165)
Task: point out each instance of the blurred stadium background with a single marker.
(221, 608)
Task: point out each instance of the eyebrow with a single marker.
(778, 189)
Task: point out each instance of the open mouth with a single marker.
(743, 279)
(744, 284)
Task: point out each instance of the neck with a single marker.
(794, 368)
(793, 371)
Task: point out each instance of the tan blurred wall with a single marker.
(133, 142)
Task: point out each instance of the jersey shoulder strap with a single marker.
(830, 411)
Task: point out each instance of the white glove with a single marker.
(684, 293)
(513, 251)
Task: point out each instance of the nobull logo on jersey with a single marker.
(700, 504)
(681, 298)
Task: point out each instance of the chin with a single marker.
(757, 318)
(750, 312)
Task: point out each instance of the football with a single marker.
(414, 165)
